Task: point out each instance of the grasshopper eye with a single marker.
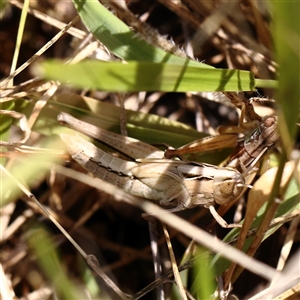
(228, 187)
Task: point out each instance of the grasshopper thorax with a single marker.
(228, 185)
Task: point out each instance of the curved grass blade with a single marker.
(120, 40)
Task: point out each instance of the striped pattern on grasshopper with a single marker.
(187, 184)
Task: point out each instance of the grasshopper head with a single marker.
(228, 185)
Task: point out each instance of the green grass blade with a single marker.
(203, 279)
(151, 129)
(287, 44)
(28, 170)
(147, 76)
(118, 37)
(5, 124)
(44, 248)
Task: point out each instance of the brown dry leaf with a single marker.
(258, 195)
(263, 186)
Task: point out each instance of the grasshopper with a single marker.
(260, 135)
(252, 148)
(228, 135)
(249, 150)
(187, 184)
